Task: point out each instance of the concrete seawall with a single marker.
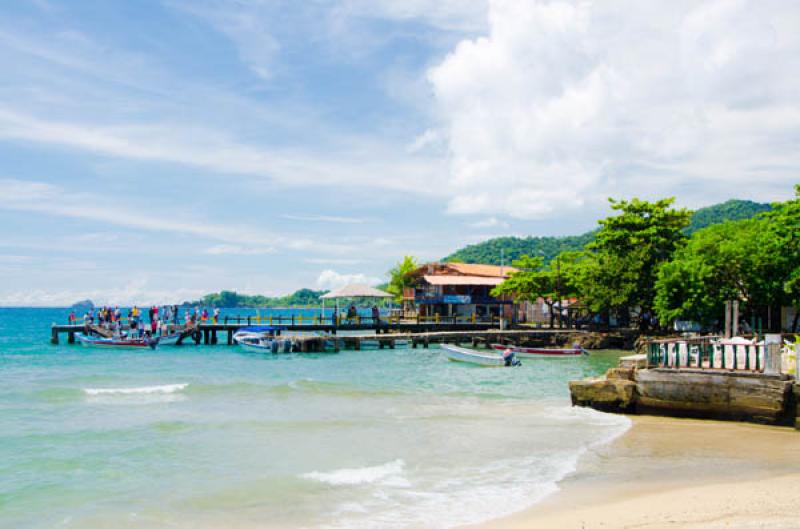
(741, 396)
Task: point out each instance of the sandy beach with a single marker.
(678, 473)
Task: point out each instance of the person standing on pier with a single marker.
(376, 316)
(216, 314)
(72, 317)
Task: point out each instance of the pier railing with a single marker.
(710, 352)
(341, 321)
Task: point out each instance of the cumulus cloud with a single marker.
(326, 218)
(564, 103)
(490, 222)
(330, 279)
(236, 249)
(135, 292)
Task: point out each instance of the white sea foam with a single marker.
(447, 498)
(143, 390)
(387, 474)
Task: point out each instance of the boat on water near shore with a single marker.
(532, 352)
(169, 339)
(470, 356)
(117, 343)
(263, 339)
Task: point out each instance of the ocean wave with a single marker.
(142, 390)
(387, 474)
(293, 387)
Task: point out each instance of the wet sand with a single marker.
(678, 473)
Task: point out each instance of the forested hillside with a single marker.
(489, 252)
(730, 210)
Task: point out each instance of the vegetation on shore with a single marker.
(304, 297)
(489, 252)
(645, 267)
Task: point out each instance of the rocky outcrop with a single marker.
(744, 396)
(613, 393)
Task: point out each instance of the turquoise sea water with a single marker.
(209, 436)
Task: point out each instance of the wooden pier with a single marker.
(355, 336)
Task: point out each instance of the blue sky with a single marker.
(153, 151)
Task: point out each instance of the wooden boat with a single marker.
(117, 343)
(470, 356)
(532, 352)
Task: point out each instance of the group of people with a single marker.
(352, 314)
(158, 319)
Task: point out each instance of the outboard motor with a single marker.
(274, 346)
(287, 346)
(510, 359)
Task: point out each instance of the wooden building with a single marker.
(458, 290)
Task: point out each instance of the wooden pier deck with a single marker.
(353, 336)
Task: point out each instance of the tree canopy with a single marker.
(489, 251)
(629, 248)
(228, 299)
(399, 277)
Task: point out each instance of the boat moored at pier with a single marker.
(534, 352)
(263, 339)
(470, 356)
(117, 343)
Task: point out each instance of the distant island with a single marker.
(86, 304)
(305, 297)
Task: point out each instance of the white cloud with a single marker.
(565, 103)
(218, 151)
(326, 218)
(330, 279)
(243, 24)
(135, 292)
(236, 249)
(50, 199)
(333, 261)
(490, 222)
(461, 15)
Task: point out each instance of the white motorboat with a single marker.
(169, 339)
(470, 356)
(263, 339)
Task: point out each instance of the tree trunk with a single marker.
(552, 315)
(796, 318)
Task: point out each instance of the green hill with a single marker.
(730, 210)
(488, 252)
(302, 298)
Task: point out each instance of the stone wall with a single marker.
(743, 396)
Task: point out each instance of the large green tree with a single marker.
(627, 253)
(780, 240)
(755, 261)
(719, 263)
(533, 279)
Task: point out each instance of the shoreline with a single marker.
(666, 472)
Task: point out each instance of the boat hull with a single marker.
(536, 352)
(110, 343)
(468, 356)
(169, 339)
